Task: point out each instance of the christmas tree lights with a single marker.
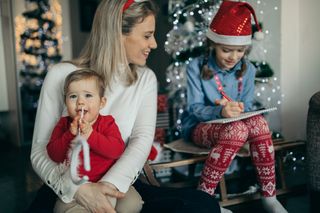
(38, 46)
(187, 39)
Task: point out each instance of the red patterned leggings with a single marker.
(226, 140)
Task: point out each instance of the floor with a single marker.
(18, 184)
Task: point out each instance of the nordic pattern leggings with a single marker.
(226, 140)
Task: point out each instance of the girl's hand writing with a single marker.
(221, 102)
(232, 109)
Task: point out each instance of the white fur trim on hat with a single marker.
(229, 40)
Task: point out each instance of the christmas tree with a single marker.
(38, 46)
(187, 39)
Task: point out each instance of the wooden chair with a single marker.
(196, 155)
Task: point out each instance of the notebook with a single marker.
(242, 116)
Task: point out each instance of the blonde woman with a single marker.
(121, 39)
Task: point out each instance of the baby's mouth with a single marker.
(79, 111)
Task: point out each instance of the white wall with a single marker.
(11, 118)
(270, 19)
(300, 63)
(268, 50)
(4, 105)
(66, 30)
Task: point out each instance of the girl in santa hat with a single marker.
(220, 84)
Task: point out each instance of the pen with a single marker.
(228, 98)
(225, 96)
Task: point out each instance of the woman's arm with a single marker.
(50, 109)
(127, 169)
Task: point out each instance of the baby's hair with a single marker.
(85, 74)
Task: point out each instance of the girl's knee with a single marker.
(236, 130)
(260, 125)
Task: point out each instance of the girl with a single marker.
(220, 84)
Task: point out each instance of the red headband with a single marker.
(127, 5)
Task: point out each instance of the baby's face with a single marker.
(84, 94)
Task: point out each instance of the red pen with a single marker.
(225, 96)
(228, 98)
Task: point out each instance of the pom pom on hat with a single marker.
(258, 35)
(232, 24)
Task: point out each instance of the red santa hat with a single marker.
(232, 24)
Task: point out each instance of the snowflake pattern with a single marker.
(266, 170)
(242, 132)
(216, 175)
(269, 188)
(257, 125)
(229, 132)
(206, 171)
(209, 190)
(225, 140)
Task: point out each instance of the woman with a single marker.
(121, 39)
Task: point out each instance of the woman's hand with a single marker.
(232, 109)
(93, 197)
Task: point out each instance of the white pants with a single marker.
(131, 203)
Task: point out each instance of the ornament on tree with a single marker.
(185, 41)
(189, 26)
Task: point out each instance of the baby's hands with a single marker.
(85, 128)
(74, 125)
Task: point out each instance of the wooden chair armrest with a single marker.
(149, 175)
(177, 163)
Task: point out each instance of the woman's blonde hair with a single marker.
(104, 51)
